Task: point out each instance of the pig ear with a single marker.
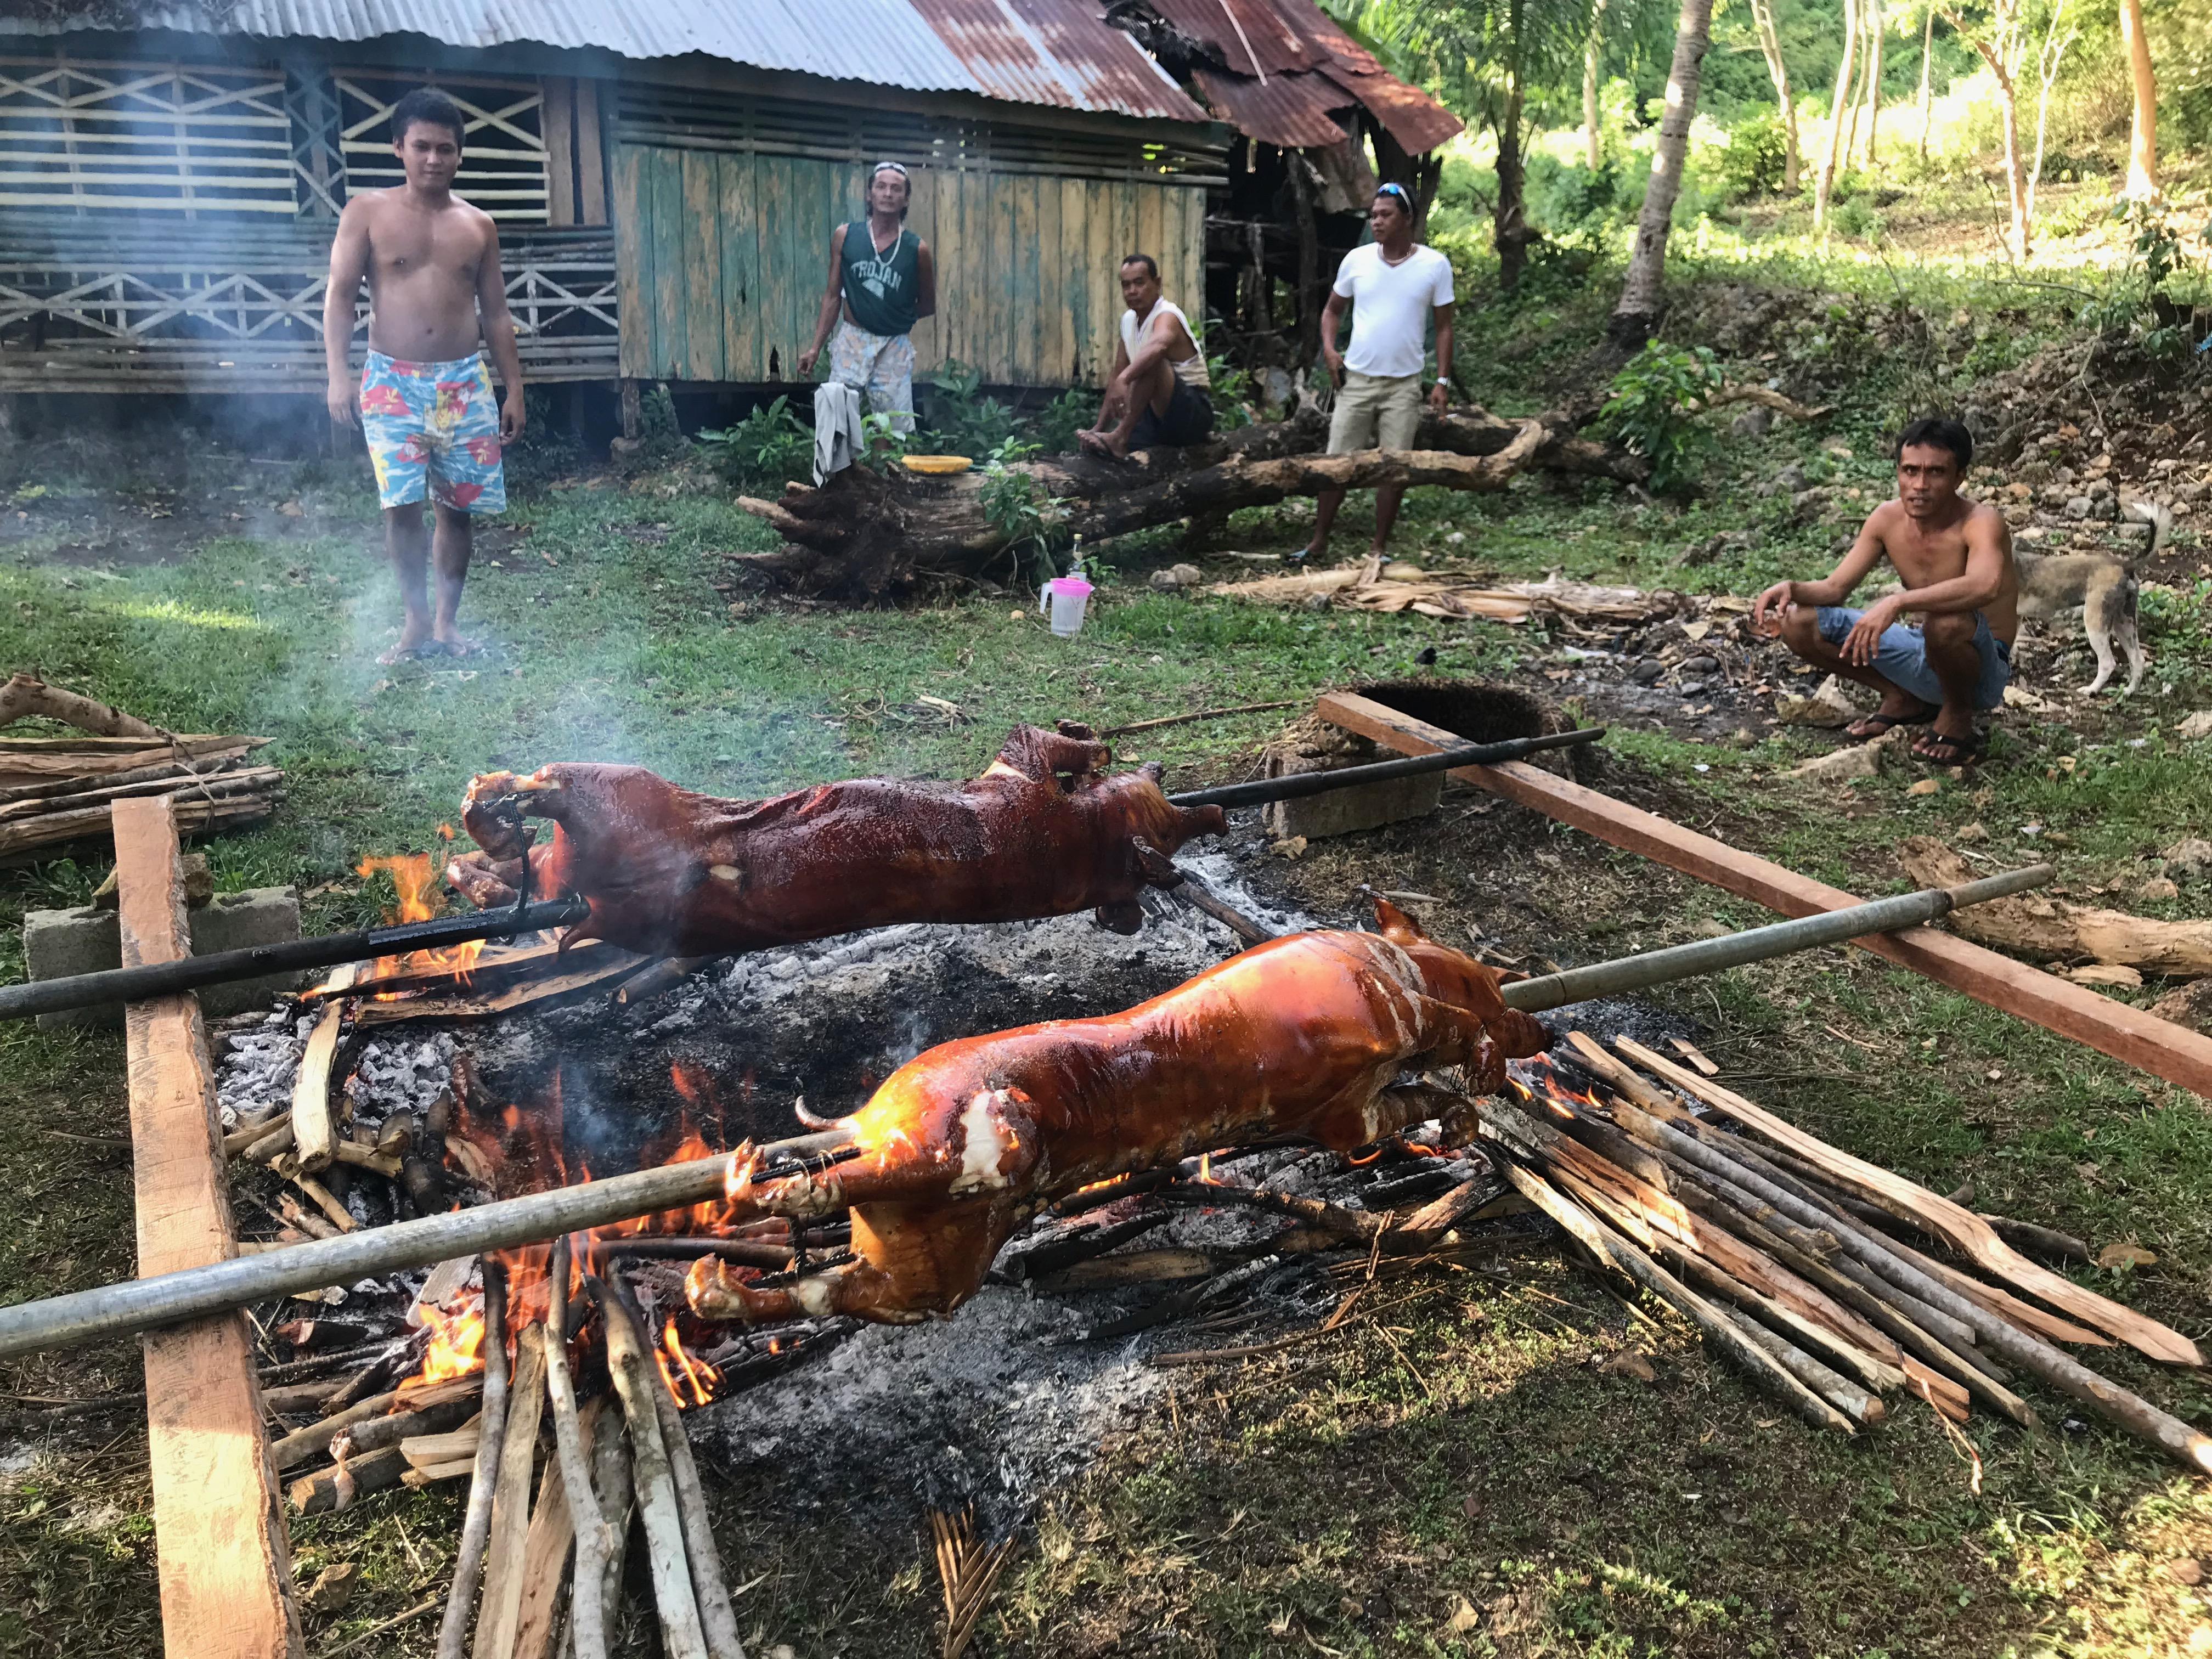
(1397, 926)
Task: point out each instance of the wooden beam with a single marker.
(225, 1567)
(2159, 1047)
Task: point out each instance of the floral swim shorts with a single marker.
(434, 427)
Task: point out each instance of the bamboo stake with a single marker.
(587, 1618)
(497, 1619)
(718, 1615)
(2130, 1411)
(1725, 1332)
(610, 1475)
(1877, 1374)
(476, 1523)
(655, 1482)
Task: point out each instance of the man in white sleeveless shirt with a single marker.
(1157, 392)
(1397, 287)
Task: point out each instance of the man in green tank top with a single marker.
(882, 283)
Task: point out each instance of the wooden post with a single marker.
(225, 1567)
(2159, 1047)
(633, 409)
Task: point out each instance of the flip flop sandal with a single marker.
(1872, 726)
(1958, 751)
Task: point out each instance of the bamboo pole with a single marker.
(497, 1619)
(587, 1618)
(476, 1521)
(718, 1615)
(683, 1635)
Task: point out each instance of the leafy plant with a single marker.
(1019, 509)
(2138, 303)
(961, 420)
(768, 446)
(1058, 421)
(1233, 393)
(883, 440)
(1653, 409)
(1753, 161)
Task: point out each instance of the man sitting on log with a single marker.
(1954, 556)
(1397, 286)
(1158, 392)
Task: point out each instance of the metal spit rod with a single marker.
(221, 967)
(141, 1304)
(1710, 955)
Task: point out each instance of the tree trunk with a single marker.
(2142, 131)
(1302, 191)
(1510, 228)
(1641, 295)
(1874, 30)
(1927, 61)
(1824, 182)
(865, 535)
(2047, 64)
(1777, 70)
(1590, 146)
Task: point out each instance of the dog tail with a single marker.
(2157, 515)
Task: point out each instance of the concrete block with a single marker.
(57, 943)
(1347, 812)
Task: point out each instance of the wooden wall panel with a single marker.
(633, 278)
(739, 225)
(706, 357)
(921, 220)
(560, 125)
(670, 292)
(591, 156)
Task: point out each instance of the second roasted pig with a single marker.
(1044, 831)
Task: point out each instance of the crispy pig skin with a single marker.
(1301, 1036)
(1043, 832)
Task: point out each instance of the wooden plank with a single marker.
(591, 156)
(1053, 346)
(499, 1610)
(741, 243)
(2157, 1046)
(633, 263)
(999, 285)
(670, 298)
(776, 349)
(956, 298)
(225, 1566)
(1030, 241)
(545, 1554)
(1074, 283)
(1151, 229)
(921, 220)
(313, 1136)
(560, 136)
(1105, 288)
(706, 357)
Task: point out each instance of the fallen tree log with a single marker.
(2045, 929)
(867, 534)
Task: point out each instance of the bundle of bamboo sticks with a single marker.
(1785, 1253)
(54, 790)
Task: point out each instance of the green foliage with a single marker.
(2139, 304)
(1234, 394)
(768, 446)
(1019, 509)
(1754, 160)
(1652, 410)
(1058, 421)
(962, 418)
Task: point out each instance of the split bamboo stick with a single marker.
(497, 1618)
(476, 1521)
(588, 1619)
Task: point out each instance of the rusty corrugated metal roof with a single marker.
(1288, 109)
(1285, 63)
(1057, 53)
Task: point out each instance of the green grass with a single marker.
(1341, 1497)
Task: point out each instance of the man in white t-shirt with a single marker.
(1158, 392)
(1397, 287)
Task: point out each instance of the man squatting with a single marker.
(883, 281)
(424, 400)
(1954, 556)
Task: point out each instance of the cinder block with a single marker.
(1347, 812)
(59, 944)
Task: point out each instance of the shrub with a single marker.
(1652, 410)
(1753, 161)
(768, 446)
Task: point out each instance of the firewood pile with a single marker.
(55, 790)
(1788, 1254)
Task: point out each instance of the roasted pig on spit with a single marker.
(1302, 1035)
(1043, 832)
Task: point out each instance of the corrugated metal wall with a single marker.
(723, 255)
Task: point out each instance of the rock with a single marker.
(1859, 760)
(2156, 888)
(1790, 479)
(1177, 576)
(2077, 506)
(1630, 1362)
(1647, 672)
(2129, 1255)
(1702, 665)
(1976, 831)
(2190, 857)
(1754, 422)
(1744, 738)
(1704, 552)
(2194, 728)
(332, 1590)
(2190, 1005)
(1828, 707)
(1925, 786)
(1295, 848)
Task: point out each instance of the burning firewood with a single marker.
(476, 1522)
(1042, 832)
(1305, 1035)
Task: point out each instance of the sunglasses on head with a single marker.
(1398, 190)
(883, 167)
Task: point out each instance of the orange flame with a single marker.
(698, 1376)
(456, 1341)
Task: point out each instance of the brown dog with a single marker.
(2103, 586)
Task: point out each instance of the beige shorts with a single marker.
(1373, 410)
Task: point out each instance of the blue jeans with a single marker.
(1901, 658)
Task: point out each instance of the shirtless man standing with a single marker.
(424, 398)
(1955, 556)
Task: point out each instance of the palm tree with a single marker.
(2142, 132)
(1491, 58)
(1642, 293)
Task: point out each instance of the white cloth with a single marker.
(1390, 307)
(839, 440)
(1191, 371)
